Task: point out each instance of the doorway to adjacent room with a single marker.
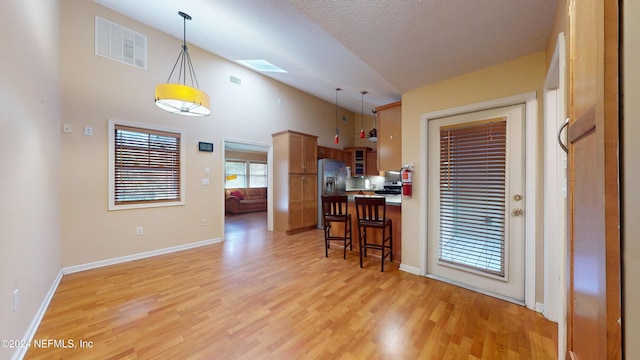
(246, 169)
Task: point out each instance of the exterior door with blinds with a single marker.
(476, 201)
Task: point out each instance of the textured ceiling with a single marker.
(386, 47)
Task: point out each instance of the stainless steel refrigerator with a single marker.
(332, 180)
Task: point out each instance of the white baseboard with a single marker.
(118, 260)
(35, 323)
(410, 269)
(540, 307)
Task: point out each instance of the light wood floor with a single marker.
(262, 295)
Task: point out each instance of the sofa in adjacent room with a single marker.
(243, 200)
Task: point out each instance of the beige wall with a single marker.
(515, 77)
(96, 89)
(30, 256)
(368, 125)
(631, 178)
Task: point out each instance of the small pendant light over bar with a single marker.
(336, 139)
(373, 133)
(363, 92)
(178, 97)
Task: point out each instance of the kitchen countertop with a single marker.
(392, 200)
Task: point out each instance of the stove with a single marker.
(391, 188)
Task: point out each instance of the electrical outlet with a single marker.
(16, 299)
(66, 128)
(88, 131)
(139, 230)
(204, 222)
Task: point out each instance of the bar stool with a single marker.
(334, 210)
(371, 213)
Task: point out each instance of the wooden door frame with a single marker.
(531, 158)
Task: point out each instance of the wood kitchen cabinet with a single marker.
(295, 181)
(302, 154)
(325, 152)
(389, 126)
(372, 163)
(358, 160)
(303, 205)
(330, 153)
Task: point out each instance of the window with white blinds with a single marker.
(472, 195)
(257, 175)
(147, 166)
(235, 174)
(243, 173)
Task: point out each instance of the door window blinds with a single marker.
(472, 195)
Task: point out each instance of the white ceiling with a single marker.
(386, 47)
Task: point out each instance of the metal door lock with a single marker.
(517, 197)
(517, 212)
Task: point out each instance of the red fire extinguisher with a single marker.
(407, 179)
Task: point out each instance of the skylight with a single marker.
(261, 65)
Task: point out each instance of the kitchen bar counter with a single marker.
(394, 212)
(391, 200)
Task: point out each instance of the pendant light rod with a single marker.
(362, 136)
(336, 138)
(337, 89)
(183, 58)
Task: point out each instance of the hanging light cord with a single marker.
(337, 89)
(184, 58)
(375, 112)
(336, 139)
(363, 92)
(362, 111)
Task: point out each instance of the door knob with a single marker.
(517, 212)
(517, 197)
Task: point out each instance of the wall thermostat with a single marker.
(204, 146)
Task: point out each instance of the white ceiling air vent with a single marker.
(118, 43)
(235, 80)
